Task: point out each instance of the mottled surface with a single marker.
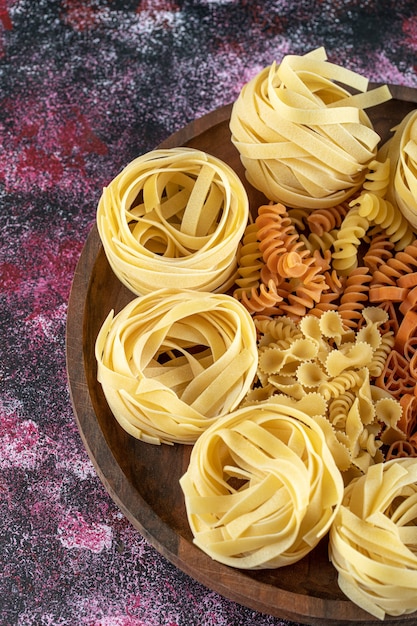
(84, 88)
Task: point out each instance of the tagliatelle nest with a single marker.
(401, 150)
(262, 487)
(170, 363)
(173, 217)
(303, 139)
(373, 539)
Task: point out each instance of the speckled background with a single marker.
(84, 88)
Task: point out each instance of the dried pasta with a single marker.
(355, 296)
(262, 299)
(323, 357)
(170, 363)
(374, 537)
(379, 251)
(348, 240)
(326, 220)
(377, 178)
(173, 217)
(401, 149)
(277, 237)
(261, 488)
(386, 215)
(302, 145)
(250, 262)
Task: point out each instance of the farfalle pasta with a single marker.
(303, 139)
(261, 488)
(173, 216)
(374, 537)
(323, 357)
(170, 363)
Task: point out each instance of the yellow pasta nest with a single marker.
(262, 487)
(173, 217)
(373, 539)
(303, 139)
(401, 150)
(170, 363)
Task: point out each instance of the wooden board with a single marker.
(143, 479)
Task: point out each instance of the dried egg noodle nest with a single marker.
(170, 363)
(173, 217)
(304, 140)
(401, 150)
(373, 539)
(262, 487)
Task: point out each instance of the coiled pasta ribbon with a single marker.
(401, 149)
(303, 139)
(173, 217)
(170, 363)
(373, 540)
(261, 488)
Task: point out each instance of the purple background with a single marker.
(84, 88)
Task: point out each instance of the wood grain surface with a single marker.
(142, 478)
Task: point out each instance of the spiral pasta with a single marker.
(380, 250)
(399, 270)
(303, 139)
(261, 488)
(348, 240)
(383, 213)
(170, 363)
(355, 296)
(374, 537)
(377, 178)
(250, 262)
(278, 237)
(173, 216)
(262, 299)
(328, 219)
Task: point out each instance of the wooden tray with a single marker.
(143, 479)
